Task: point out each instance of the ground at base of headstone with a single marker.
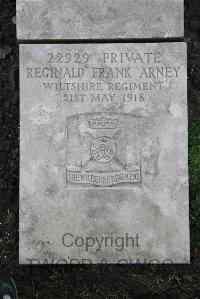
(106, 281)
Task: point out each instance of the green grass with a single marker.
(194, 170)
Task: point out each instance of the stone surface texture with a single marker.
(119, 113)
(99, 19)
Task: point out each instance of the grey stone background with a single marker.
(89, 281)
(95, 19)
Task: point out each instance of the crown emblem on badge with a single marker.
(103, 122)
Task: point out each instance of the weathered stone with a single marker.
(99, 19)
(103, 153)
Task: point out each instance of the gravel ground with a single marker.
(182, 281)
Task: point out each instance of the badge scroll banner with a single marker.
(103, 179)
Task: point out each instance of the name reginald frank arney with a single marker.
(106, 73)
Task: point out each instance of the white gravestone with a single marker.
(104, 153)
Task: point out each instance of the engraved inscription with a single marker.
(80, 78)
